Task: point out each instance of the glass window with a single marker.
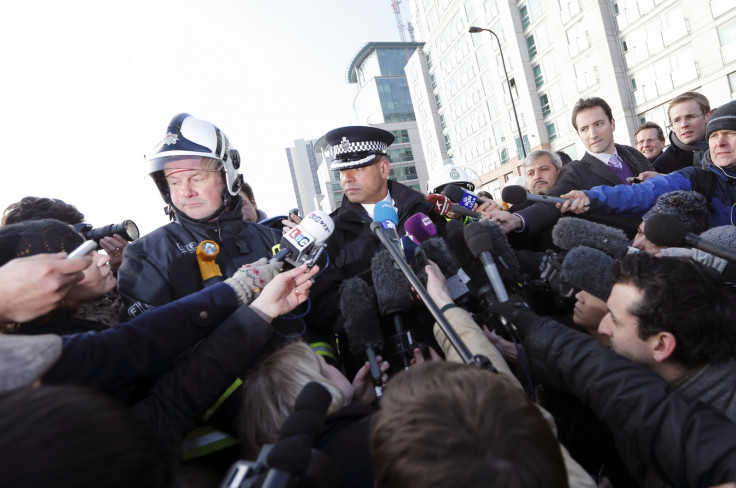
(544, 102)
(538, 78)
(524, 14)
(519, 153)
(504, 155)
(402, 136)
(732, 82)
(531, 47)
(448, 144)
(551, 132)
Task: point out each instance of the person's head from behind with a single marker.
(541, 169)
(689, 207)
(250, 208)
(484, 195)
(272, 386)
(360, 156)
(52, 236)
(72, 437)
(195, 169)
(669, 314)
(649, 140)
(37, 208)
(593, 120)
(451, 424)
(721, 136)
(689, 113)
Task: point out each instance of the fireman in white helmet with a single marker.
(196, 172)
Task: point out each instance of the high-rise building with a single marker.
(635, 54)
(382, 100)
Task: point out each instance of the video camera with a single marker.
(126, 229)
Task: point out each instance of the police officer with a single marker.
(196, 172)
(360, 156)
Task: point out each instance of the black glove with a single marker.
(516, 311)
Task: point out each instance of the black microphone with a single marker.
(503, 253)
(570, 232)
(436, 250)
(442, 205)
(462, 196)
(481, 245)
(362, 324)
(291, 456)
(477, 282)
(514, 194)
(394, 297)
(665, 230)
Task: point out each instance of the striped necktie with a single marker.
(616, 161)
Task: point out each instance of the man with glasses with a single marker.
(689, 114)
(715, 179)
(649, 140)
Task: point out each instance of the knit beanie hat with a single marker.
(37, 237)
(590, 270)
(724, 118)
(723, 236)
(688, 207)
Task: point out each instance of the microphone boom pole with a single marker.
(455, 340)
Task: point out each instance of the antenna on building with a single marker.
(399, 23)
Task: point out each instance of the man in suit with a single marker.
(604, 163)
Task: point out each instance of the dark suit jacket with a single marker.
(584, 174)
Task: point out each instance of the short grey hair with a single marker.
(534, 155)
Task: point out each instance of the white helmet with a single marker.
(447, 175)
(188, 138)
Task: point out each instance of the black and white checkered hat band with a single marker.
(358, 147)
(338, 164)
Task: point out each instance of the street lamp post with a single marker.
(474, 30)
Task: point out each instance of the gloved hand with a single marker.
(250, 279)
(516, 311)
(702, 257)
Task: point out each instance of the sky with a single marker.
(87, 88)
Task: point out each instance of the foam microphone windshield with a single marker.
(479, 284)
(393, 291)
(514, 194)
(460, 196)
(570, 232)
(362, 323)
(665, 230)
(441, 203)
(590, 270)
(503, 253)
(419, 228)
(436, 250)
(313, 397)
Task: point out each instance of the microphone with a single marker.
(443, 205)
(436, 250)
(462, 196)
(481, 245)
(514, 194)
(385, 214)
(394, 297)
(312, 232)
(291, 456)
(477, 280)
(419, 228)
(362, 324)
(665, 230)
(509, 268)
(570, 232)
(589, 269)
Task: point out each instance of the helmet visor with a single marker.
(175, 164)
